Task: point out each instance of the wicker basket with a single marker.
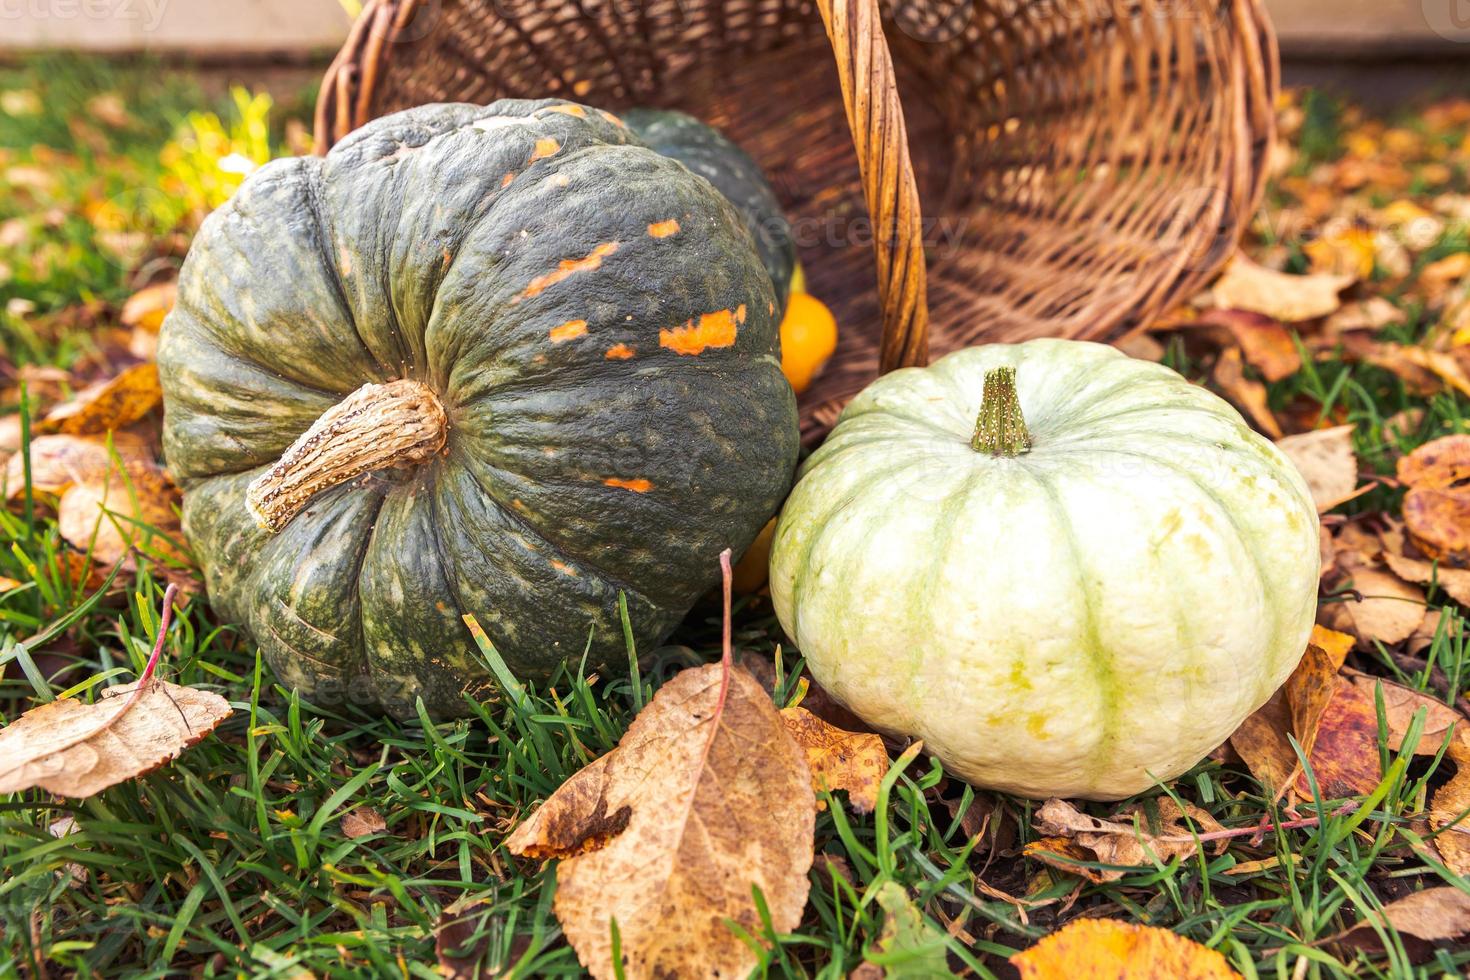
(1083, 164)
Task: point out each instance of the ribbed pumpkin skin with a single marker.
(1076, 621)
(709, 153)
(547, 276)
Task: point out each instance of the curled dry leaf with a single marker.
(49, 746)
(851, 761)
(706, 797)
(109, 405)
(1245, 393)
(1127, 841)
(1326, 460)
(1454, 581)
(1425, 371)
(1423, 920)
(1264, 342)
(1108, 949)
(72, 748)
(1247, 286)
(1390, 610)
(1437, 505)
(1296, 709)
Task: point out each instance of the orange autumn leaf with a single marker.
(1109, 949)
(148, 307)
(1437, 505)
(110, 405)
(851, 761)
(1245, 393)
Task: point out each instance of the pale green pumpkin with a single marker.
(1080, 619)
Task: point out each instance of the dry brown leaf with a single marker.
(1266, 345)
(1422, 920)
(1326, 460)
(1437, 278)
(1437, 506)
(72, 748)
(1449, 809)
(1109, 949)
(109, 405)
(1401, 703)
(1116, 841)
(1390, 610)
(58, 462)
(135, 507)
(1311, 686)
(1425, 371)
(851, 761)
(362, 822)
(1247, 286)
(1454, 581)
(1262, 740)
(1247, 394)
(706, 797)
(1344, 753)
(1371, 314)
(148, 307)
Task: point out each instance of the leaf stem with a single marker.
(1001, 429)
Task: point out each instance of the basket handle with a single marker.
(875, 116)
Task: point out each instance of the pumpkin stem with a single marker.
(375, 427)
(1000, 430)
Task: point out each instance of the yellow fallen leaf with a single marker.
(109, 405)
(1326, 459)
(1108, 949)
(851, 761)
(706, 797)
(1247, 286)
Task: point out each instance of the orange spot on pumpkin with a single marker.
(505, 181)
(612, 118)
(569, 110)
(663, 229)
(568, 267)
(545, 147)
(740, 313)
(770, 308)
(638, 485)
(618, 352)
(715, 329)
(570, 330)
(564, 568)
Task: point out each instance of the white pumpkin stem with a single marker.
(375, 427)
(1001, 429)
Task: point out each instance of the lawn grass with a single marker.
(234, 859)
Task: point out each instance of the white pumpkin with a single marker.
(1081, 619)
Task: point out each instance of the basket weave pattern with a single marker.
(1082, 164)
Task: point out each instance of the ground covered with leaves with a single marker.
(1322, 840)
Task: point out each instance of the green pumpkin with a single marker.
(1083, 593)
(714, 157)
(500, 360)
